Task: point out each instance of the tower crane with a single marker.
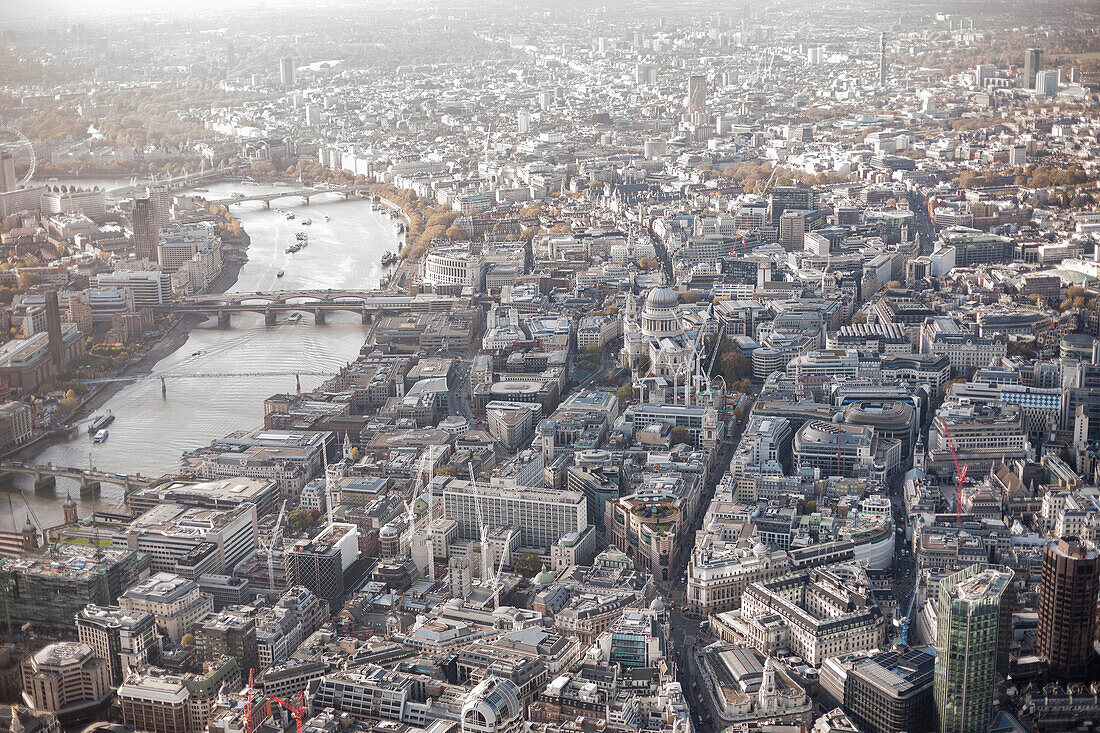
(482, 526)
(494, 580)
(298, 711)
(770, 181)
(709, 375)
(960, 475)
(248, 727)
(276, 536)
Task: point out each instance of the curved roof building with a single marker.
(492, 707)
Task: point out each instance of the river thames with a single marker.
(150, 432)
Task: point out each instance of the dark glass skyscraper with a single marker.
(1067, 606)
(146, 231)
(1033, 62)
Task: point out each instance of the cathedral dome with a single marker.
(661, 317)
(661, 298)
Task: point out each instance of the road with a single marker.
(676, 587)
(925, 234)
(459, 401)
(684, 630)
(686, 637)
(904, 562)
(609, 360)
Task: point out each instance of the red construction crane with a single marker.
(298, 711)
(248, 704)
(959, 473)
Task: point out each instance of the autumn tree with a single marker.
(680, 435)
(625, 393)
(526, 564)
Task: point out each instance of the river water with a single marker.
(150, 432)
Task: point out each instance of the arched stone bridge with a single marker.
(45, 476)
(317, 302)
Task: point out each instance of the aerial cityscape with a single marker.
(529, 367)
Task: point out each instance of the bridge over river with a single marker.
(305, 194)
(45, 476)
(318, 302)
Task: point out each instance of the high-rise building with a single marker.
(80, 313)
(158, 704)
(1046, 82)
(149, 288)
(146, 230)
(8, 180)
(53, 331)
(882, 60)
(973, 629)
(313, 115)
(983, 73)
(543, 516)
(229, 634)
(891, 691)
(783, 198)
(126, 639)
(1068, 589)
(175, 603)
(162, 202)
(170, 532)
(49, 590)
(286, 72)
(523, 121)
(1033, 62)
(696, 107)
(319, 564)
(66, 679)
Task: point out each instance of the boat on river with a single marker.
(101, 421)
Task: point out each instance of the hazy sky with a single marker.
(60, 12)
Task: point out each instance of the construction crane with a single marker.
(482, 526)
(426, 478)
(708, 375)
(959, 473)
(298, 711)
(272, 543)
(494, 580)
(684, 371)
(770, 181)
(248, 727)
